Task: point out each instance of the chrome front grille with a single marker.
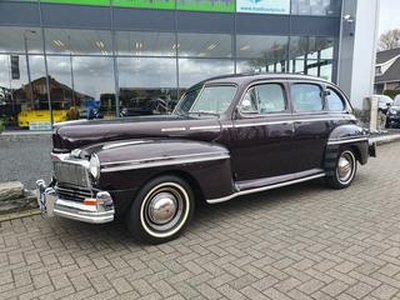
(71, 173)
(73, 193)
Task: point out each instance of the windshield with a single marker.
(396, 101)
(208, 99)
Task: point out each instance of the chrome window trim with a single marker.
(264, 188)
(289, 121)
(280, 113)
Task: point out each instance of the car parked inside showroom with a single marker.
(228, 136)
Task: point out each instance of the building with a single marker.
(387, 71)
(108, 47)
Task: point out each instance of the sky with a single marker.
(389, 16)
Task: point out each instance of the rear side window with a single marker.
(333, 101)
(306, 97)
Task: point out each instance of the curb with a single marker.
(19, 215)
(386, 139)
(17, 133)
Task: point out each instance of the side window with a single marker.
(264, 99)
(271, 98)
(306, 97)
(333, 102)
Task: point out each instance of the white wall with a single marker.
(357, 49)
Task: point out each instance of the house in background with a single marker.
(387, 71)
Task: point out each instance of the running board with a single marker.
(264, 188)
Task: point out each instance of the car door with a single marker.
(311, 122)
(262, 131)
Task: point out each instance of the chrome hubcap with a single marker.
(162, 208)
(165, 209)
(345, 167)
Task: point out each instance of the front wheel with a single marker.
(345, 170)
(161, 210)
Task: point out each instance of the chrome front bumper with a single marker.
(50, 204)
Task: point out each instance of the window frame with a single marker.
(308, 112)
(282, 84)
(341, 97)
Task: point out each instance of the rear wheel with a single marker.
(345, 170)
(162, 210)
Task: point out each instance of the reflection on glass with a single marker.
(264, 53)
(313, 47)
(21, 39)
(62, 88)
(94, 80)
(205, 45)
(23, 102)
(77, 41)
(147, 85)
(269, 48)
(311, 55)
(192, 71)
(136, 43)
(316, 7)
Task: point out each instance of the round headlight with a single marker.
(393, 111)
(94, 166)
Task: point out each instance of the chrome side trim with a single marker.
(172, 129)
(264, 188)
(160, 158)
(213, 127)
(346, 141)
(170, 162)
(117, 145)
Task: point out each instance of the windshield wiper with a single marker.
(203, 112)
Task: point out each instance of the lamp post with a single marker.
(28, 66)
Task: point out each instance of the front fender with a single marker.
(128, 165)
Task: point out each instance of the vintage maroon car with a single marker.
(228, 136)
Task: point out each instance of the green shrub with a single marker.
(1, 126)
(391, 93)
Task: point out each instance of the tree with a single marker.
(389, 40)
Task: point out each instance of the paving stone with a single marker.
(301, 242)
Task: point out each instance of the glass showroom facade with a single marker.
(69, 59)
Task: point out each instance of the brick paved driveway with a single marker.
(303, 242)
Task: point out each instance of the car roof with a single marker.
(248, 77)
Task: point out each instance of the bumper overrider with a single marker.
(97, 210)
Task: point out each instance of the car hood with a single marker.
(79, 134)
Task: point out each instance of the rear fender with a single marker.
(351, 136)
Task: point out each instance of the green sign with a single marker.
(195, 5)
(152, 4)
(207, 5)
(80, 2)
